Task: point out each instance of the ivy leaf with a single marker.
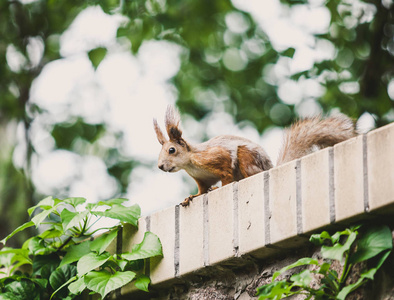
(60, 276)
(74, 201)
(21, 290)
(302, 279)
(96, 56)
(102, 242)
(71, 219)
(338, 250)
(374, 241)
(112, 202)
(142, 282)
(149, 247)
(90, 262)
(45, 204)
(77, 286)
(274, 290)
(20, 228)
(75, 252)
(103, 282)
(129, 214)
(300, 262)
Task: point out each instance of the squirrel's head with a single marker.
(174, 154)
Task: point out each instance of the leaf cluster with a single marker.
(65, 260)
(371, 245)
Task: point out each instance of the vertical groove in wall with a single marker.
(206, 230)
(365, 173)
(235, 220)
(267, 212)
(298, 196)
(147, 261)
(176, 246)
(331, 184)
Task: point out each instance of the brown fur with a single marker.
(229, 158)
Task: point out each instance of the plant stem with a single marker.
(345, 271)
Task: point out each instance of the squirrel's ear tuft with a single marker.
(172, 120)
(160, 136)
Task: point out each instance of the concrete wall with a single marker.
(231, 240)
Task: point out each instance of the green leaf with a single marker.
(112, 202)
(97, 55)
(101, 243)
(68, 282)
(22, 290)
(37, 246)
(142, 282)
(90, 262)
(149, 247)
(45, 204)
(338, 250)
(20, 228)
(51, 233)
(39, 218)
(74, 201)
(60, 276)
(75, 252)
(374, 241)
(129, 214)
(77, 286)
(103, 282)
(44, 265)
(274, 290)
(300, 262)
(71, 219)
(302, 279)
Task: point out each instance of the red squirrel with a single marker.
(229, 158)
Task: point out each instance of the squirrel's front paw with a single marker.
(186, 202)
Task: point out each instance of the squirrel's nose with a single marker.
(161, 167)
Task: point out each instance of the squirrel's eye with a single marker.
(171, 150)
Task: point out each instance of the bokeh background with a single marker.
(80, 82)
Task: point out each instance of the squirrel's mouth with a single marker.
(172, 169)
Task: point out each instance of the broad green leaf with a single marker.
(39, 218)
(6, 255)
(20, 228)
(68, 282)
(300, 262)
(22, 290)
(324, 268)
(61, 276)
(374, 241)
(149, 247)
(90, 262)
(71, 219)
(77, 286)
(112, 202)
(103, 282)
(37, 246)
(75, 252)
(44, 265)
(302, 279)
(129, 214)
(350, 288)
(96, 56)
(319, 239)
(274, 290)
(51, 233)
(74, 201)
(45, 204)
(101, 243)
(142, 282)
(338, 250)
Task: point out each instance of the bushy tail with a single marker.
(314, 133)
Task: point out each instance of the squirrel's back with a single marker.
(315, 133)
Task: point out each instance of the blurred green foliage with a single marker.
(218, 65)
